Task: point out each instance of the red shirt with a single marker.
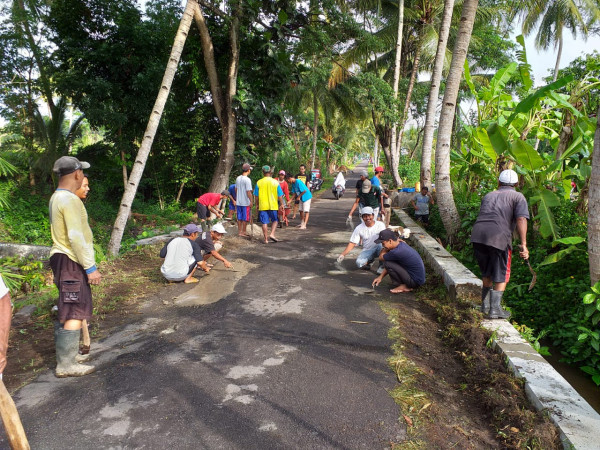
(210, 199)
(286, 190)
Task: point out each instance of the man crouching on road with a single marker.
(210, 245)
(402, 262)
(501, 212)
(368, 231)
(183, 256)
(73, 264)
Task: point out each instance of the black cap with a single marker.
(386, 235)
(68, 164)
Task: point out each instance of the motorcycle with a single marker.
(316, 184)
(337, 191)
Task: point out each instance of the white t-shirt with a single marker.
(367, 234)
(243, 184)
(180, 256)
(3, 288)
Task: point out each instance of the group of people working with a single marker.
(74, 269)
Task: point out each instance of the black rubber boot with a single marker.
(67, 348)
(496, 311)
(485, 300)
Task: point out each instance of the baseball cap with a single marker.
(508, 177)
(219, 228)
(191, 228)
(367, 210)
(266, 169)
(366, 186)
(68, 164)
(282, 172)
(246, 167)
(364, 173)
(227, 193)
(378, 169)
(386, 235)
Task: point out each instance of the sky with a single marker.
(542, 62)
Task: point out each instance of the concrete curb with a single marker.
(577, 421)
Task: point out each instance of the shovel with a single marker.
(534, 275)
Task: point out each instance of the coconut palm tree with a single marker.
(447, 207)
(436, 77)
(552, 17)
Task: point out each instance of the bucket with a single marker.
(418, 186)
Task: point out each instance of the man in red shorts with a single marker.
(501, 212)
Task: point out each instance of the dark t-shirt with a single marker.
(205, 242)
(306, 178)
(359, 184)
(410, 259)
(371, 198)
(498, 217)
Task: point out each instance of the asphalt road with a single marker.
(294, 358)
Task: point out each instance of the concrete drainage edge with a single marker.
(547, 390)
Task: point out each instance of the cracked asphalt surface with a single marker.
(295, 357)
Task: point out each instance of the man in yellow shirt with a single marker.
(269, 196)
(73, 265)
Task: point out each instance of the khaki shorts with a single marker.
(305, 206)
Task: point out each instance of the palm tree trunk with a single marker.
(447, 207)
(140, 162)
(376, 152)
(409, 91)
(594, 209)
(394, 148)
(558, 56)
(434, 92)
(315, 129)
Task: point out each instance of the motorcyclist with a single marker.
(339, 181)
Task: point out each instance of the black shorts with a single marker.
(422, 217)
(494, 263)
(74, 291)
(202, 211)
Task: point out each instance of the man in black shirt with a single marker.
(210, 245)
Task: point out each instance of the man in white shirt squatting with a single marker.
(368, 231)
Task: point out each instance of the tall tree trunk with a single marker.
(296, 145)
(223, 102)
(376, 152)
(394, 153)
(315, 129)
(409, 91)
(443, 184)
(179, 192)
(434, 92)
(140, 162)
(558, 56)
(594, 209)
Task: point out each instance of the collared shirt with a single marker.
(498, 217)
(268, 191)
(71, 232)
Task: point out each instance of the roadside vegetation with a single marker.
(321, 84)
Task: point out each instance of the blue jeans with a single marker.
(368, 256)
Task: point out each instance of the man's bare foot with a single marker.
(191, 280)
(400, 289)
